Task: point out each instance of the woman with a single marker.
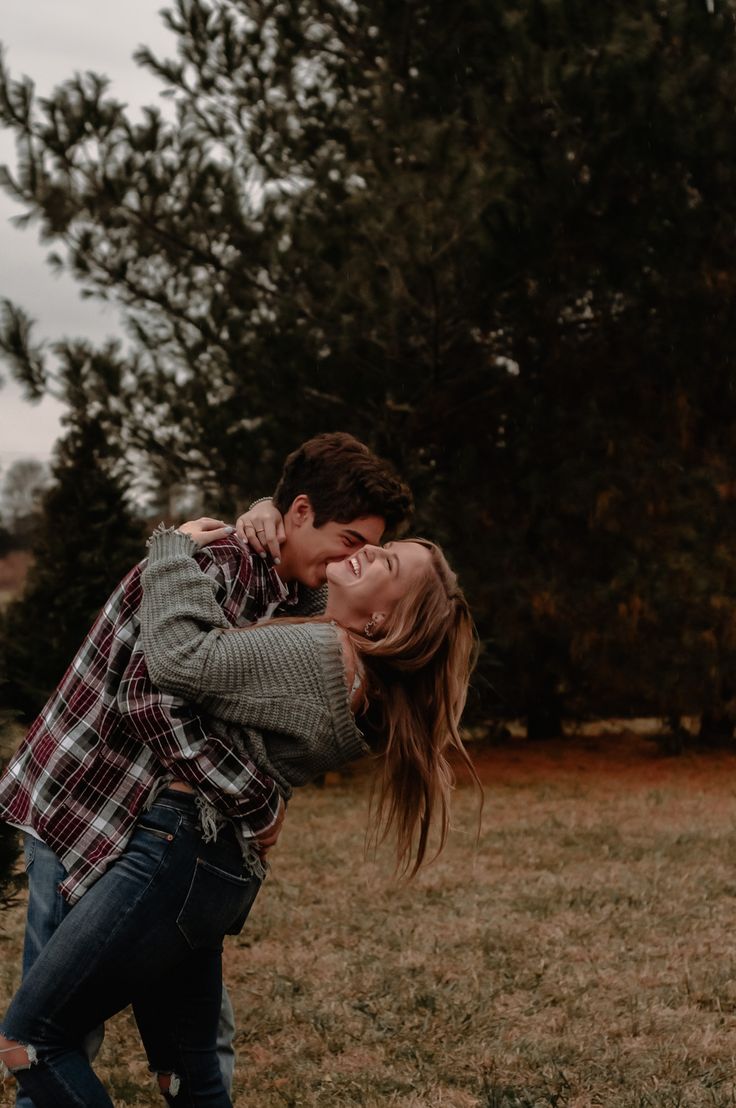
(395, 646)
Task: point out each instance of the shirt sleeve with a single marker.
(219, 770)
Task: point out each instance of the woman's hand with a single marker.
(204, 530)
(263, 529)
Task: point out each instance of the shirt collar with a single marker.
(280, 593)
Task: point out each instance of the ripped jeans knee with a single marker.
(16, 1056)
(169, 1084)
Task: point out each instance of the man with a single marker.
(108, 742)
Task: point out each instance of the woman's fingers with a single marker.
(205, 530)
(262, 527)
(268, 537)
(204, 523)
(246, 529)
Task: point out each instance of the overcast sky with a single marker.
(49, 40)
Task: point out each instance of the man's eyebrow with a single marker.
(356, 535)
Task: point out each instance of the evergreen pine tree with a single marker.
(87, 538)
(87, 542)
(492, 239)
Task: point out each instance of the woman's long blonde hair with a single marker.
(417, 671)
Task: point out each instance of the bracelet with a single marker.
(260, 500)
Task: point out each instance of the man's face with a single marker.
(310, 549)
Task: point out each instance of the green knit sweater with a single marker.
(284, 686)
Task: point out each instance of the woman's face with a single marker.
(368, 584)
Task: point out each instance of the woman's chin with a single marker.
(336, 574)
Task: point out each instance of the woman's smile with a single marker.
(370, 582)
(354, 568)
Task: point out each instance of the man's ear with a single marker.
(301, 511)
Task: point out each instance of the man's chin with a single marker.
(315, 580)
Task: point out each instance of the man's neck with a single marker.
(285, 570)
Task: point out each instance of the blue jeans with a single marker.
(46, 909)
(148, 933)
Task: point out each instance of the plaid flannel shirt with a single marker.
(93, 759)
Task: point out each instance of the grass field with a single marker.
(582, 954)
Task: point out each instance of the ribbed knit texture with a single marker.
(283, 685)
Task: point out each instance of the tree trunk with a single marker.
(544, 722)
(716, 729)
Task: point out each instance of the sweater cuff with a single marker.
(166, 542)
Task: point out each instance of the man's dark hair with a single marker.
(343, 480)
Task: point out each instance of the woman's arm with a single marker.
(191, 649)
(284, 679)
(181, 622)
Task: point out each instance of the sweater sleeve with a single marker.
(285, 679)
(182, 624)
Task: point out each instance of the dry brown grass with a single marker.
(581, 955)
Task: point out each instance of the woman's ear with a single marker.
(373, 624)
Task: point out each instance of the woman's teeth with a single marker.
(355, 566)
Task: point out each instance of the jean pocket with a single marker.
(157, 831)
(217, 904)
(151, 842)
(161, 820)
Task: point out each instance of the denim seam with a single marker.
(29, 851)
(90, 967)
(62, 1084)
